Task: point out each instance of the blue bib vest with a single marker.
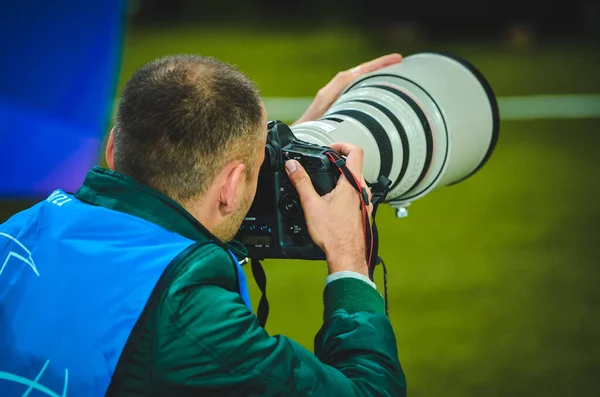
(74, 279)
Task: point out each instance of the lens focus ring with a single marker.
(378, 132)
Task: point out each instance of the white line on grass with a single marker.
(511, 108)
(532, 107)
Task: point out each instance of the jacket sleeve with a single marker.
(210, 343)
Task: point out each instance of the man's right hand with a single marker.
(335, 220)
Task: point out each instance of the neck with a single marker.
(205, 212)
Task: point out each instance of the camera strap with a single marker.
(379, 191)
(261, 282)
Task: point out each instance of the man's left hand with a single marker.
(328, 94)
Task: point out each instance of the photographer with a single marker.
(129, 287)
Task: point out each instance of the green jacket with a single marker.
(196, 337)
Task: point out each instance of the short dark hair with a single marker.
(181, 118)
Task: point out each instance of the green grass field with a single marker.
(494, 283)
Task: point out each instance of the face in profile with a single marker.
(246, 190)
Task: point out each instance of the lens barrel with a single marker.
(430, 121)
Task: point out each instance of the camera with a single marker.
(274, 226)
(430, 121)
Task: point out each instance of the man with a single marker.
(129, 287)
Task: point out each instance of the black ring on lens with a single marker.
(426, 129)
(484, 84)
(493, 104)
(382, 140)
(445, 159)
(334, 119)
(401, 134)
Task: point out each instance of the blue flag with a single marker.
(60, 63)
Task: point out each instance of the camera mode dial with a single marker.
(289, 205)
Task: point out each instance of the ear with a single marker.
(110, 150)
(232, 179)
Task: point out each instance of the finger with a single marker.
(334, 88)
(343, 148)
(354, 156)
(379, 63)
(325, 97)
(301, 182)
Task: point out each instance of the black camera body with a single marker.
(274, 226)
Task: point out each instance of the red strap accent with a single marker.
(340, 163)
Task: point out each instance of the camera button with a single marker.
(265, 228)
(294, 229)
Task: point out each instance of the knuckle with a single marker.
(345, 75)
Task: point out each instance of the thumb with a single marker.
(301, 181)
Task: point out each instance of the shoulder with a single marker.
(203, 263)
(196, 316)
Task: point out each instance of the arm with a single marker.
(213, 345)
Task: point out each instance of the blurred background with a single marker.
(494, 284)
